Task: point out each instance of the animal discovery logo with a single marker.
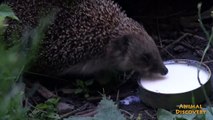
(190, 109)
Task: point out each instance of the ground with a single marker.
(177, 33)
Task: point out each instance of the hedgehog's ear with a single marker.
(121, 44)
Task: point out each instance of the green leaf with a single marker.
(80, 83)
(6, 11)
(108, 111)
(42, 106)
(185, 116)
(208, 114)
(79, 90)
(12, 62)
(53, 101)
(89, 82)
(199, 117)
(53, 116)
(163, 114)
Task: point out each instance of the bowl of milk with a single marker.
(180, 85)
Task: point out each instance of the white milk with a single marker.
(180, 78)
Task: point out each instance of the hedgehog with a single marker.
(88, 37)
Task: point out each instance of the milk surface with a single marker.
(180, 78)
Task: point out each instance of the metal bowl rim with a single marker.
(182, 61)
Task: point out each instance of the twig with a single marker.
(117, 96)
(74, 111)
(87, 113)
(151, 116)
(173, 57)
(45, 92)
(127, 113)
(207, 62)
(158, 33)
(199, 52)
(195, 36)
(176, 41)
(188, 45)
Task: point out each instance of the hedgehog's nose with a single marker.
(164, 71)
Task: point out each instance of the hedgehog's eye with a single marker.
(145, 58)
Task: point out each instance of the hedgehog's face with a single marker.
(138, 53)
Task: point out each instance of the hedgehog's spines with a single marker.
(83, 34)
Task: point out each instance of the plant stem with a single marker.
(209, 37)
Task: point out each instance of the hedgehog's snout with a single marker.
(164, 70)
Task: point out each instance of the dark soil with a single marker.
(175, 29)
